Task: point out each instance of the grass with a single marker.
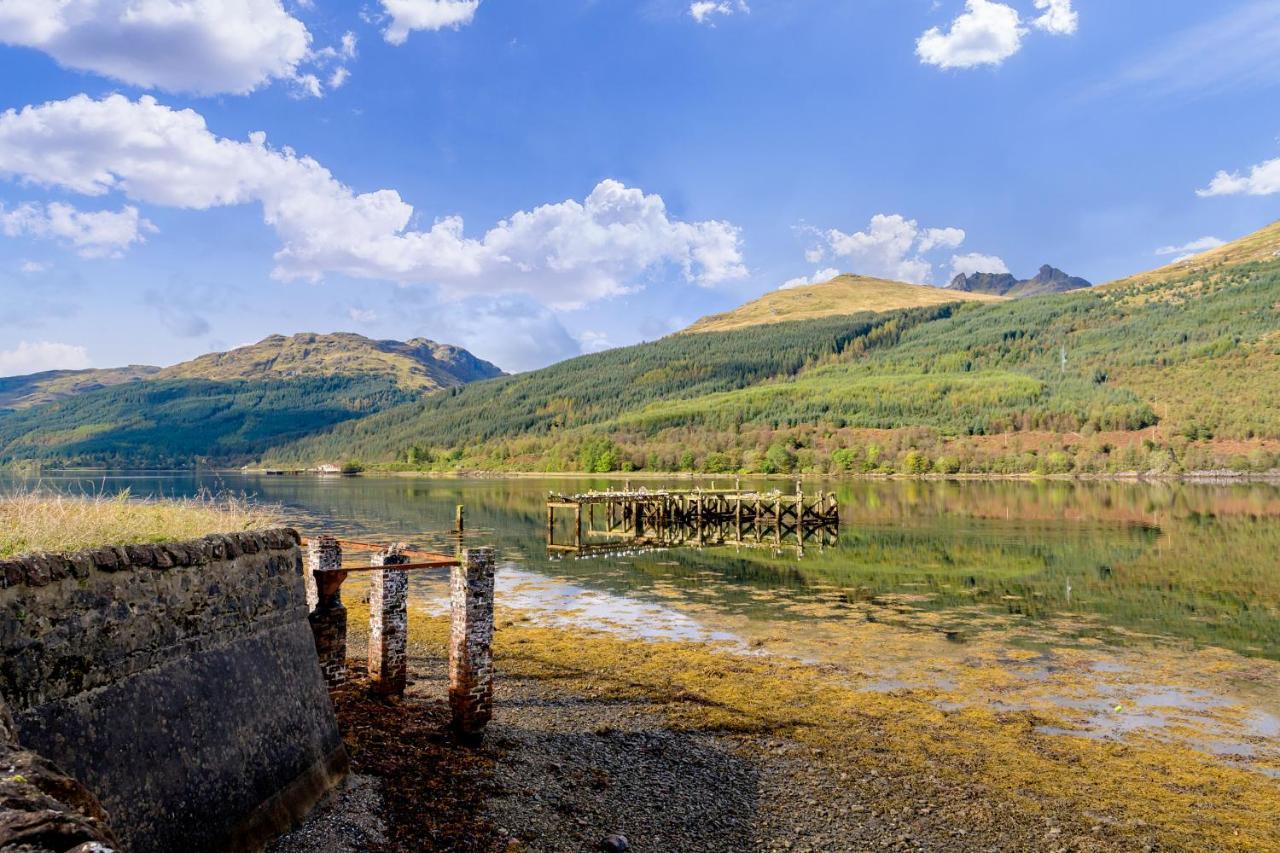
(39, 521)
(846, 294)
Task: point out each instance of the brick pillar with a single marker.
(388, 623)
(471, 642)
(328, 615)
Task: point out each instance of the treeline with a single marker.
(825, 449)
(179, 423)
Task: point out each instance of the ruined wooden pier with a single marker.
(603, 520)
(471, 621)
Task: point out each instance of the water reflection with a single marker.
(1119, 563)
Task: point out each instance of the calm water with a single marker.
(1126, 606)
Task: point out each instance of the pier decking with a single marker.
(606, 520)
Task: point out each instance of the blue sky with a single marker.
(534, 180)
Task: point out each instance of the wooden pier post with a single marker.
(471, 642)
(777, 520)
(459, 524)
(388, 623)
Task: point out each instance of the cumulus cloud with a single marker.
(511, 331)
(362, 315)
(567, 253)
(1058, 18)
(891, 247)
(1263, 179)
(200, 46)
(975, 262)
(592, 341)
(706, 11)
(93, 234)
(39, 356)
(33, 267)
(989, 32)
(819, 277)
(1189, 250)
(410, 15)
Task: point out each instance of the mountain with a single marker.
(1048, 280)
(22, 392)
(845, 294)
(1179, 369)
(226, 408)
(416, 365)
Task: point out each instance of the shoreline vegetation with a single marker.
(1219, 476)
(36, 521)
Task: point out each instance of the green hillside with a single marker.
(228, 408)
(1169, 370)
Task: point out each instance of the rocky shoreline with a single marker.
(565, 767)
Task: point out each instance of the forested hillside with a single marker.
(178, 423)
(223, 408)
(1175, 369)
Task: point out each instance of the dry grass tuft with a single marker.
(41, 521)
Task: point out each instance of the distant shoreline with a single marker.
(1190, 477)
(1198, 477)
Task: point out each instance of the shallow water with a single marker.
(1111, 608)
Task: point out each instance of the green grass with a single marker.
(37, 521)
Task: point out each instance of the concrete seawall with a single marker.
(178, 683)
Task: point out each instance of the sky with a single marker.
(538, 180)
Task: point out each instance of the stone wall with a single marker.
(41, 808)
(178, 682)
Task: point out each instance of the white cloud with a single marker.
(819, 277)
(941, 238)
(1187, 251)
(511, 331)
(1263, 179)
(1058, 18)
(200, 46)
(329, 57)
(564, 254)
(39, 356)
(987, 33)
(33, 267)
(1204, 244)
(94, 234)
(362, 315)
(892, 247)
(410, 15)
(976, 263)
(594, 341)
(706, 11)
